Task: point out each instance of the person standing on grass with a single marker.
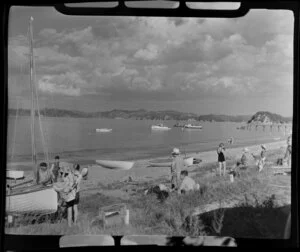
(67, 191)
(77, 177)
(176, 167)
(288, 153)
(221, 159)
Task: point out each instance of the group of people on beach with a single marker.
(182, 183)
(65, 179)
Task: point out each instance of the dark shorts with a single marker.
(76, 201)
(70, 203)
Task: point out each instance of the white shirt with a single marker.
(188, 184)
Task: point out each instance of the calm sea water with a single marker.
(130, 139)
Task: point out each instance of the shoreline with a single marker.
(141, 169)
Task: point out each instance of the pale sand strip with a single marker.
(141, 169)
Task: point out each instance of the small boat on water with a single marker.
(190, 126)
(160, 127)
(14, 174)
(118, 165)
(104, 130)
(32, 200)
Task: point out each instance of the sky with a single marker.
(200, 65)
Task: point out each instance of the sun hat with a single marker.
(84, 172)
(245, 149)
(175, 151)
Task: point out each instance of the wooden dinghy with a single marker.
(118, 165)
(33, 199)
(162, 163)
(14, 174)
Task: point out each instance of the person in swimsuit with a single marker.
(221, 159)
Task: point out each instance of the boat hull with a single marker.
(159, 128)
(192, 127)
(187, 161)
(103, 130)
(117, 165)
(35, 199)
(12, 174)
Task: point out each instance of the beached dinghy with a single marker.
(13, 174)
(41, 200)
(162, 163)
(118, 165)
(104, 130)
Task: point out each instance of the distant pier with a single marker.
(267, 126)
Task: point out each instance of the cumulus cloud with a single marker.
(67, 84)
(177, 57)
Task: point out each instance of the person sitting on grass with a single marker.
(187, 184)
(161, 192)
(44, 175)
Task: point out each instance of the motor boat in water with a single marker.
(104, 130)
(160, 127)
(190, 126)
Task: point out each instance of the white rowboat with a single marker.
(187, 161)
(40, 200)
(118, 165)
(13, 174)
(104, 130)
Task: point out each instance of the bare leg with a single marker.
(220, 168)
(70, 216)
(224, 167)
(75, 214)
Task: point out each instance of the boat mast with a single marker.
(32, 86)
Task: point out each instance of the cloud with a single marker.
(183, 58)
(65, 84)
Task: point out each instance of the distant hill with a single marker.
(224, 118)
(142, 114)
(268, 118)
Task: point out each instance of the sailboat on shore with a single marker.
(33, 198)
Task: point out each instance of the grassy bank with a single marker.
(260, 212)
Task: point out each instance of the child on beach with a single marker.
(55, 169)
(221, 159)
(176, 167)
(260, 161)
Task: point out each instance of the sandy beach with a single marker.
(142, 171)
